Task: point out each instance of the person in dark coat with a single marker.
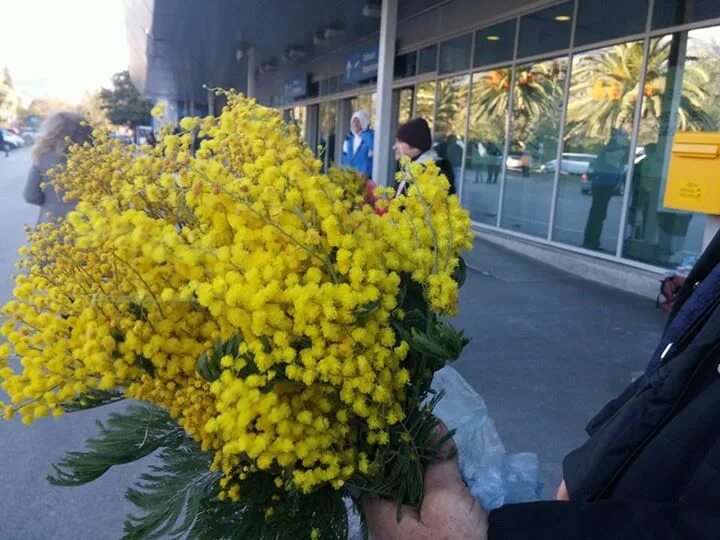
(649, 469)
(413, 139)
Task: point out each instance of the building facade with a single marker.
(558, 117)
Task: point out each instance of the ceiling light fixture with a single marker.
(563, 18)
(493, 38)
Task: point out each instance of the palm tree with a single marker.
(605, 88)
(536, 96)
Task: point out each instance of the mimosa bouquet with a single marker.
(276, 336)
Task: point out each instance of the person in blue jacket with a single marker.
(358, 146)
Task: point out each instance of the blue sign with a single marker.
(296, 87)
(361, 65)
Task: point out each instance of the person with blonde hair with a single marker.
(58, 133)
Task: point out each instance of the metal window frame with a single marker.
(508, 126)
(570, 53)
(561, 133)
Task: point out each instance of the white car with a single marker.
(576, 164)
(11, 140)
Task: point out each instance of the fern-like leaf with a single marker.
(127, 436)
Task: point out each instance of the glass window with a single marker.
(534, 129)
(455, 54)
(601, 107)
(671, 12)
(450, 121)
(427, 62)
(545, 31)
(298, 117)
(654, 233)
(495, 44)
(425, 102)
(405, 105)
(609, 19)
(326, 133)
(489, 98)
(366, 102)
(405, 65)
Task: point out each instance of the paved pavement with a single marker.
(548, 350)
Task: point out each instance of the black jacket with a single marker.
(651, 467)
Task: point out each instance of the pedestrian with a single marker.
(58, 132)
(151, 140)
(3, 144)
(413, 139)
(649, 469)
(358, 146)
(606, 176)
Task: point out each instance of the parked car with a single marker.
(570, 163)
(520, 161)
(12, 140)
(586, 182)
(29, 135)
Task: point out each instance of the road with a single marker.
(548, 350)
(31, 509)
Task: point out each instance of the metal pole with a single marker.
(561, 135)
(634, 137)
(251, 72)
(508, 126)
(386, 63)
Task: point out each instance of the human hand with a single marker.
(562, 492)
(448, 510)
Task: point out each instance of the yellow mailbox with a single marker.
(693, 181)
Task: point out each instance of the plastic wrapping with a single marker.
(493, 476)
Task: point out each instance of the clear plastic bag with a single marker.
(493, 476)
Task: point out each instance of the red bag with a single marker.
(669, 288)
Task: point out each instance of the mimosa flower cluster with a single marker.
(238, 287)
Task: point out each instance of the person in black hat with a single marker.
(413, 139)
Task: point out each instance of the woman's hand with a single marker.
(448, 510)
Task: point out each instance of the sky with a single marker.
(62, 48)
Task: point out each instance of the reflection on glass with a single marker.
(427, 61)
(534, 128)
(601, 107)
(326, 133)
(297, 117)
(489, 99)
(450, 121)
(405, 65)
(546, 30)
(609, 19)
(654, 233)
(425, 105)
(405, 105)
(495, 44)
(366, 102)
(672, 12)
(455, 54)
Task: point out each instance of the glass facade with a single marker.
(450, 120)
(534, 133)
(327, 139)
(455, 54)
(554, 137)
(425, 102)
(489, 101)
(495, 45)
(546, 31)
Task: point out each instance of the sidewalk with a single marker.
(548, 349)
